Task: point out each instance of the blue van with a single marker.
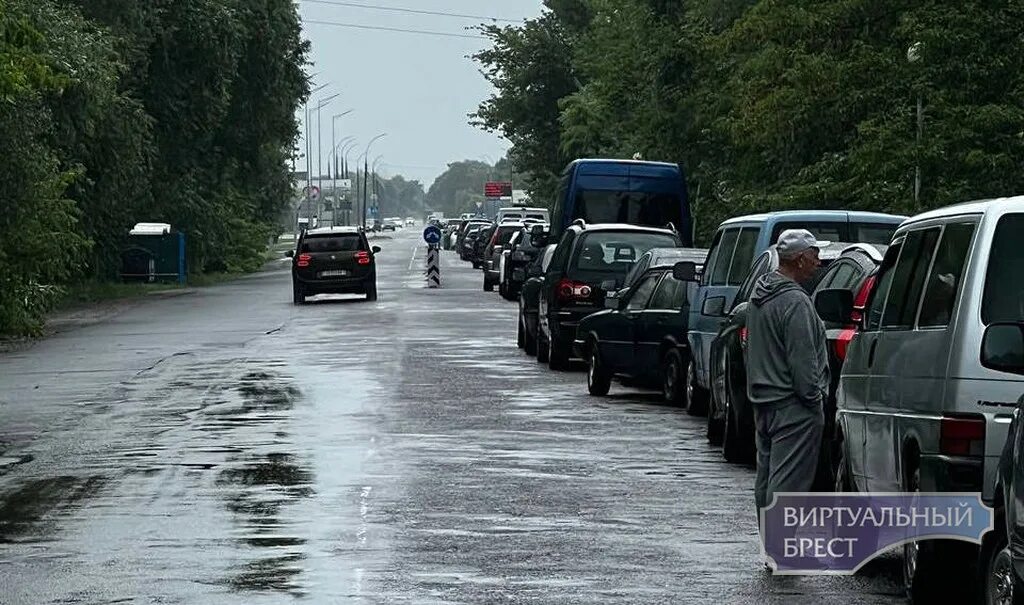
(737, 242)
(650, 194)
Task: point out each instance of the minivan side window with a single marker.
(946, 275)
(720, 272)
(709, 264)
(881, 292)
(744, 255)
(1004, 290)
(908, 279)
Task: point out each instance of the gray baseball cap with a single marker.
(794, 241)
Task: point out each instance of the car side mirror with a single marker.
(611, 300)
(608, 286)
(289, 253)
(1002, 348)
(685, 271)
(713, 307)
(834, 305)
(375, 249)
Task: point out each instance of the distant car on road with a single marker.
(500, 238)
(410, 222)
(333, 260)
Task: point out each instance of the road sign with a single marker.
(432, 234)
(313, 192)
(498, 189)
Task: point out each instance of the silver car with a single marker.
(916, 409)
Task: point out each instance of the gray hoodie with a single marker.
(786, 355)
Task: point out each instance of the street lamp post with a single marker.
(914, 56)
(319, 148)
(334, 177)
(373, 170)
(366, 169)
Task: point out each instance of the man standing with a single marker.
(787, 374)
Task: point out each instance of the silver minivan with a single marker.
(916, 409)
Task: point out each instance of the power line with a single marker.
(394, 29)
(412, 11)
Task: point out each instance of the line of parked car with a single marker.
(923, 319)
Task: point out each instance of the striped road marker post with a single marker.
(432, 235)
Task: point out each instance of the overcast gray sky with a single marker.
(417, 88)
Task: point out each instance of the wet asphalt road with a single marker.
(228, 447)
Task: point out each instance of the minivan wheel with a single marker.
(673, 378)
(932, 567)
(520, 335)
(599, 380)
(298, 295)
(998, 581)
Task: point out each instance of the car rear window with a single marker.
(872, 233)
(333, 243)
(615, 252)
(1004, 290)
(505, 234)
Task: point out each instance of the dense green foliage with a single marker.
(461, 186)
(770, 104)
(114, 112)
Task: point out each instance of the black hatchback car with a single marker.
(641, 338)
(334, 260)
(589, 261)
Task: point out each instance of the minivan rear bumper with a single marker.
(942, 473)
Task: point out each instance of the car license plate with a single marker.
(333, 273)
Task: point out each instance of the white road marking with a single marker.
(412, 261)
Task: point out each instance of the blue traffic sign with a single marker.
(432, 234)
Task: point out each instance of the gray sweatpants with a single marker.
(788, 443)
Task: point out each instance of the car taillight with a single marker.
(861, 301)
(743, 336)
(363, 257)
(962, 436)
(303, 260)
(843, 342)
(570, 291)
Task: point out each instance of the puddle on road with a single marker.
(36, 506)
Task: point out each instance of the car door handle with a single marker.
(871, 352)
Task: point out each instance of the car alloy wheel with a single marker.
(1001, 580)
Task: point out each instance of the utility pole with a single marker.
(366, 170)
